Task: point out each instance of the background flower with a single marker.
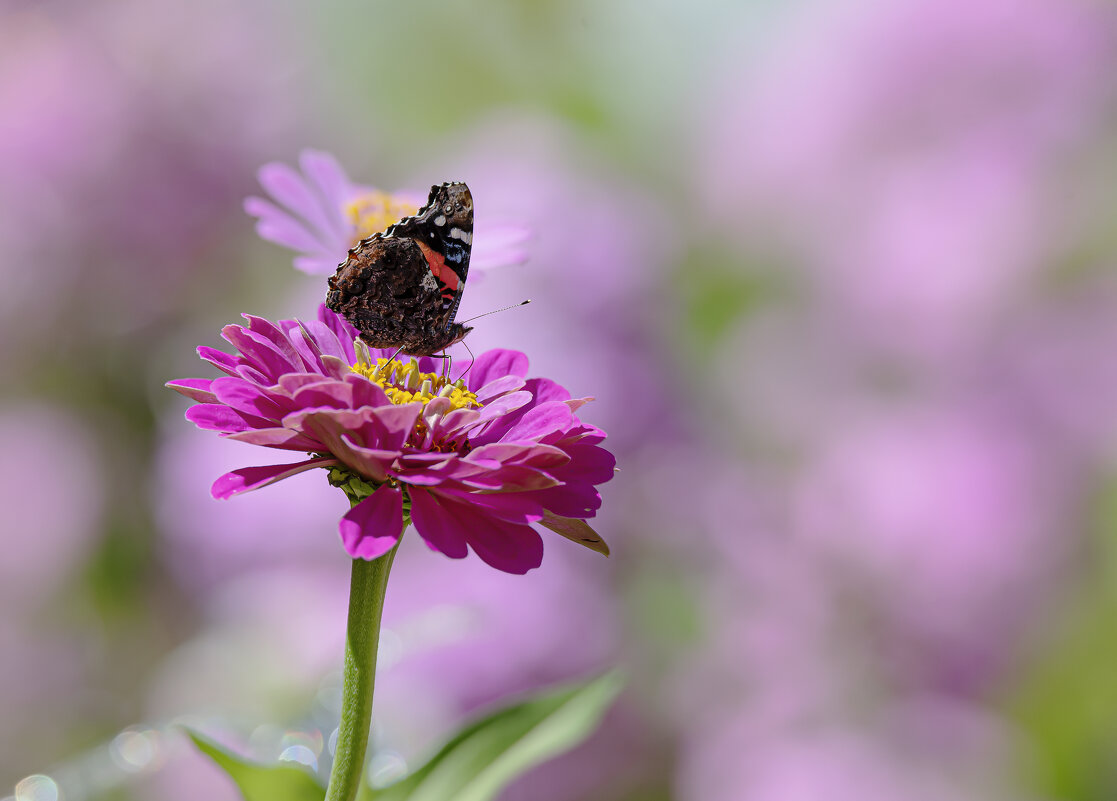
(320, 213)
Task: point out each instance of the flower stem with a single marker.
(366, 603)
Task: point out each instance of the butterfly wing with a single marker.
(443, 229)
(401, 288)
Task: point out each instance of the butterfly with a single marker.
(401, 287)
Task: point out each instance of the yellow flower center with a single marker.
(374, 211)
(403, 382)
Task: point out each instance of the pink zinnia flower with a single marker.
(471, 462)
(320, 214)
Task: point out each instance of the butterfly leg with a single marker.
(447, 360)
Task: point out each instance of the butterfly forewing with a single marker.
(401, 288)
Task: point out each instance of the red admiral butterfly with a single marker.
(401, 288)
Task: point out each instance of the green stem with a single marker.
(366, 603)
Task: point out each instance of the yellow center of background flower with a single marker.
(403, 382)
(374, 211)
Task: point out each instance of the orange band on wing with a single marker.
(437, 263)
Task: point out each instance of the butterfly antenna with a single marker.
(495, 311)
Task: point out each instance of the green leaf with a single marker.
(485, 756)
(283, 782)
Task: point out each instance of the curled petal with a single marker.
(371, 462)
(219, 417)
(520, 453)
(250, 478)
(273, 334)
(293, 382)
(219, 359)
(373, 527)
(508, 383)
(260, 352)
(283, 438)
(541, 421)
(341, 328)
(247, 398)
(512, 478)
(576, 530)
(196, 389)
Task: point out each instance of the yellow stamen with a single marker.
(374, 211)
(403, 383)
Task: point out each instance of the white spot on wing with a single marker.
(440, 220)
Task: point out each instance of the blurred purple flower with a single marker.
(952, 523)
(112, 191)
(321, 214)
(43, 539)
(52, 494)
(835, 763)
(472, 463)
(910, 155)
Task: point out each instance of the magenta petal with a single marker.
(542, 420)
(293, 382)
(332, 394)
(335, 430)
(514, 507)
(512, 478)
(573, 499)
(508, 383)
(273, 334)
(326, 340)
(373, 527)
(219, 417)
(250, 478)
(507, 546)
(437, 525)
(259, 352)
(219, 359)
(366, 393)
(494, 364)
(283, 438)
(591, 463)
(504, 405)
(246, 398)
(194, 388)
(370, 462)
(342, 329)
(392, 424)
(544, 390)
